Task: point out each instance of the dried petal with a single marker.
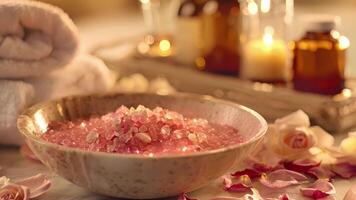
(37, 185)
(14, 192)
(284, 197)
(4, 181)
(319, 189)
(297, 118)
(184, 196)
(301, 165)
(344, 170)
(324, 138)
(320, 172)
(237, 187)
(351, 193)
(252, 173)
(348, 145)
(282, 178)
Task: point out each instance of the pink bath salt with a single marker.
(142, 131)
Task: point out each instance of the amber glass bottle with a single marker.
(319, 60)
(220, 34)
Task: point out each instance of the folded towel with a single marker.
(15, 96)
(85, 75)
(35, 38)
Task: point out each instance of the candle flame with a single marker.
(164, 45)
(268, 35)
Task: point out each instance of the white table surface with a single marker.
(15, 166)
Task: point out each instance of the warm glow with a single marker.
(143, 48)
(265, 5)
(145, 1)
(40, 121)
(252, 8)
(164, 45)
(268, 36)
(200, 63)
(335, 34)
(344, 42)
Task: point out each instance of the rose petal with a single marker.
(284, 197)
(321, 173)
(4, 181)
(344, 170)
(237, 187)
(184, 196)
(252, 173)
(37, 185)
(319, 189)
(27, 153)
(348, 145)
(302, 165)
(14, 192)
(297, 118)
(324, 138)
(351, 193)
(282, 178)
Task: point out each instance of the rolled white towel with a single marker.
(85, 75)
(15, 96)
(35, 38)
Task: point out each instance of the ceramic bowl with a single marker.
(135, 176)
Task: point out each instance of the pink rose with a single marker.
(14, 192)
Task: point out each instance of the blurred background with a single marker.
(105, 21)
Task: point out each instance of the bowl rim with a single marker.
(31, 110)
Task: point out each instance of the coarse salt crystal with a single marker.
(193, 138)
(143, 128)
(134, 131)
(144, 137)
(92, 136)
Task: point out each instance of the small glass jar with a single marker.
(189, 32)
(221, 28)
(266, 56)
(320, 57)
(159, 17)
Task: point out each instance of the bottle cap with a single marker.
(320, 23)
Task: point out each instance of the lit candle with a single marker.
(265, 59)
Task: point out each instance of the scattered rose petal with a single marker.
(37, 185)
(297, 118)
(348, 145)
(282, 178)
(14, 192)
(252, 173)
(4, 181)
(237, 187)
(320, 172)
(184, 196)
(319, 189)
(27, 153)
(351, 193)
(284, 197)
(301, 165)
(344, 170)
(324, 138)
